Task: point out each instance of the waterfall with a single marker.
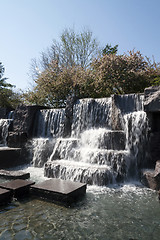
(4, 126)
(94, 153)
(91, 113)
(49, 125)
(136, 128)
(10, 115)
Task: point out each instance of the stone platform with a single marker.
(5, 196)
(19, 187)
(14, 174)
(58, 190)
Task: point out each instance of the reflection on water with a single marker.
(123, 213)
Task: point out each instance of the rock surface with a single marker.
(151, 179)
(17, 139)
(68, 116)
(24, 117)
(117, 123)
(152, 99)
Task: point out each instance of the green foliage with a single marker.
(56, 83)
(121, 74)
(110, 50)
(154, 72)
(8, 98)
(73, 49)
(73, 67)
(3, 83)
(108, 74)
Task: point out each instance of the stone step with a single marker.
(87, 154)
(58, 190)
(92, 174)
(14, 174)
(18, 187)
(96, 139)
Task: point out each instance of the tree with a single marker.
(122, 74)
(3, 83)
(154, 72)
(73, 49)
(73, 66)
(56, 83)
(108, 74)
(110, 50)
(8, 98)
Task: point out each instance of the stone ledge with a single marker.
(14, 174)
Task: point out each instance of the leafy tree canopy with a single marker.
(110, 50)
(8, 98)
(73, 49)
(74, 67)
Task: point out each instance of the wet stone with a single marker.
(18, 187)
(5, 196)
(58, 190)
(14, 174)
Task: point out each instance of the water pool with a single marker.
(123, 213)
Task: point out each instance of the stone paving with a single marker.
(55, 190)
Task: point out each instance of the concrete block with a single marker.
(18, 187)
(58, 190)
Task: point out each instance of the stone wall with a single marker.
(24, 117)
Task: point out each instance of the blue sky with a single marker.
(29, 26)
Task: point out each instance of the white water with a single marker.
(50, 123)
(4, 125)
(94, 153)
(117, 211)
(91, 114)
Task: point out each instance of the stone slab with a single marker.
(18, 187)
(14, 174)
(58, 190)
(5, 196)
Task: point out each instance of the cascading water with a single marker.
(49, 127)
(136, 133)
(91, 113)
(93, 153)
(50, 123)
(4, 126)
